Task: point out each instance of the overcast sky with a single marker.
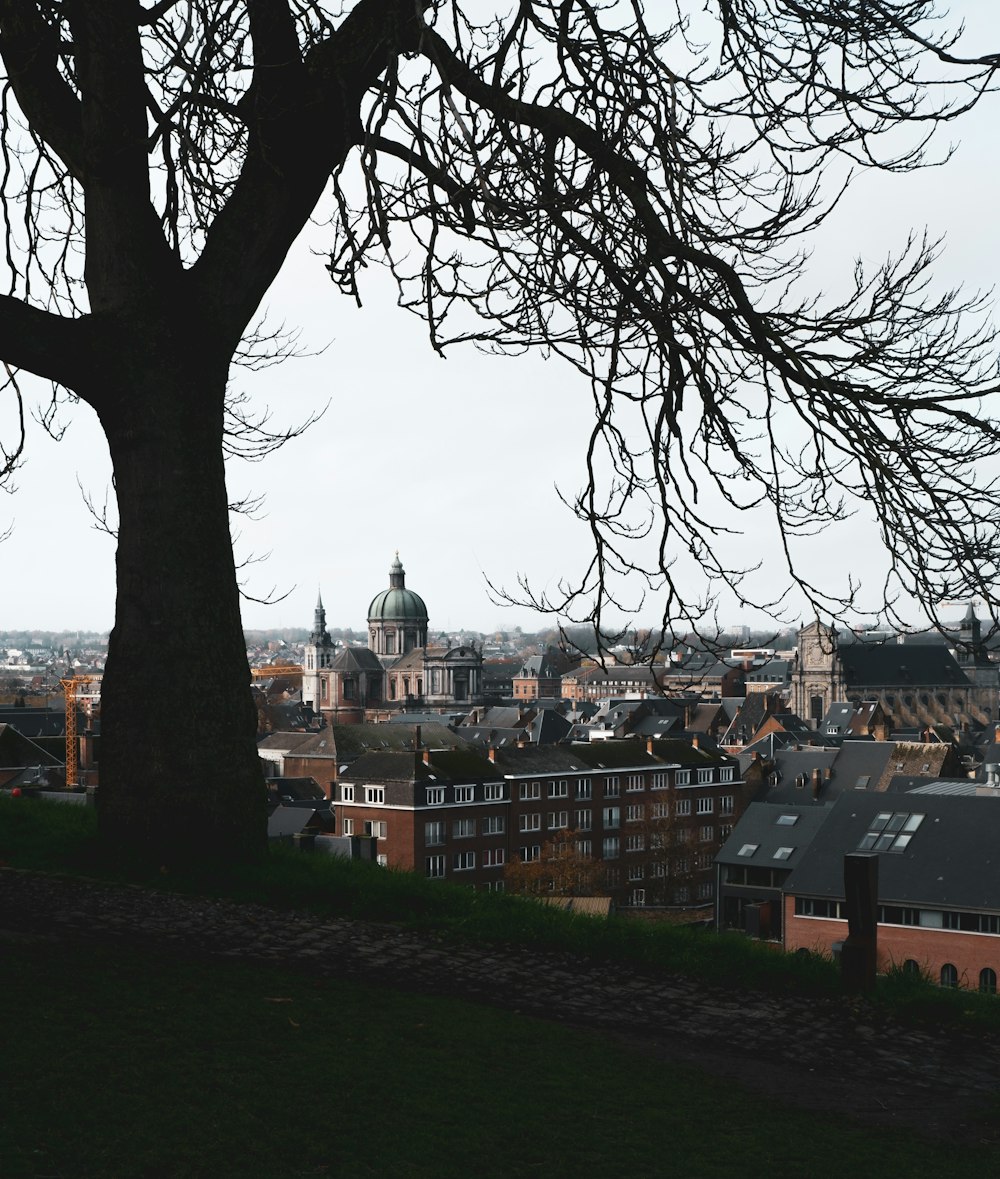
(452, 462)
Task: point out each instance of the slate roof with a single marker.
(17, 750)
(356, 659)
(952, 860)
(770, 827)
(40, 722)
(351, 741)
(891, 664)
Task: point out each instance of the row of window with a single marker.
(465, 861)
(492, 792)
(904, 915)
(377, 827)
(530, 791)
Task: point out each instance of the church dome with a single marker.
(397, 603)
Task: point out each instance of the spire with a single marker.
(319, 635)
(397, 577)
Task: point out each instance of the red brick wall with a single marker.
(930, 948)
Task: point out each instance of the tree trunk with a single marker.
(180, 780)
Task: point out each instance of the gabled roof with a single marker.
(892, 664)
(18, 750)
(356, 659)
(765, 829)
(951, 861)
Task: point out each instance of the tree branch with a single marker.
(29, 47)
(50, 346)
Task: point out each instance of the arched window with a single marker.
(911, 966)
(949, 975)
(988, 981)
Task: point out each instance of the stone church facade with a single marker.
(397, 670)
(917, 684)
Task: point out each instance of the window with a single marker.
(382, 861)
(705, 892)
(661, 810)
(611, 788)
(725, 773)
(529, 854)
(584, 847)
(635, 782)
(433, 834)
(559, 789)
(726, 804)
(820, 907)
(635, 813)
(911, 966)
(531, 790)
(494, 886)
(661, 780)
(464, 861)
(786, 820)
(348, 826)
(635, 843)
(683, 806)
(659, 869)
(988, 981)
(682, 867)
(463, 828)
(706, 834)
(584, 788)
(612, 817)
(493, 857)
(637, 898)
(376, 827)
(612, 877)
(706, 806)
(635, 872)
(435, 795)
(682, 895)
(375, 795)
(704, 776)
(783, 853)
(748, 849)
(583, 820)
(493, 792)
(434, 866)
(609, 849)
(347, 794)
(529, 823)
(725, 830)
(558, 820)
(464, 793)
(890, 831)
(949, 975)
(493, 825)
(682, 778)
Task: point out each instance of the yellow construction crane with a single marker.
(70, 686)
(267, 673)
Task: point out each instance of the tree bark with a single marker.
(180, 780)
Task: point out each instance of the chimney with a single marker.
(649, 746)
(427, 757)
(755, 756)
(695, 744)
(817, 782)
(492, 754)
(416, 737)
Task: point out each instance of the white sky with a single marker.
(452, 462)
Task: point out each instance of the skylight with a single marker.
(890, 831)
(748, 849)
(783, 853)
(786, 820)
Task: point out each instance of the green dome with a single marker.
(397, 605)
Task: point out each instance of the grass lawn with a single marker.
(119, 1062)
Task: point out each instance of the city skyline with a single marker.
(452, 462)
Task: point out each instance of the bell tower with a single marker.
(319, 653)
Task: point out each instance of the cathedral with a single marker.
(398, 670)
(918, 683)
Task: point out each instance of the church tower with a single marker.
(319, 654)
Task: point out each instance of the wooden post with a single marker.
(859, 954)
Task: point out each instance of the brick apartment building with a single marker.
(653, 812)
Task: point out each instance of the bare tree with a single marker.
(563, 174)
